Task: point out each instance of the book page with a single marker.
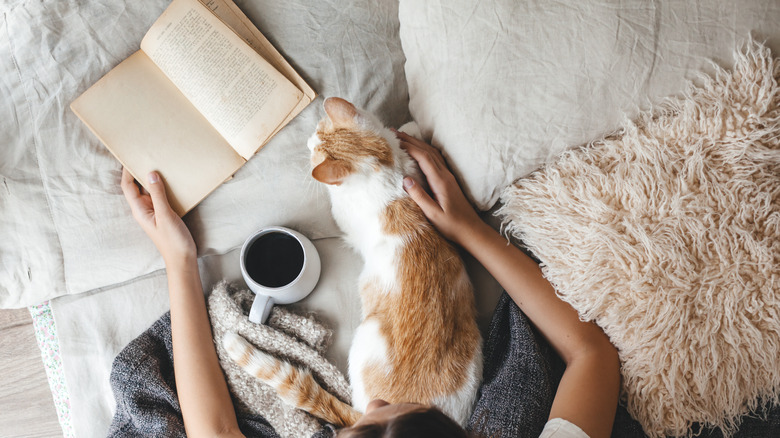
(231, 15)
(148, 124)
(235, 89)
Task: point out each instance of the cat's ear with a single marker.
(331, 171)
(340, 112)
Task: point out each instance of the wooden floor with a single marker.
(26, 405)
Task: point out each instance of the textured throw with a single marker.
(521, 376)
(294, 338)
(522, 373)
(144, 387)
(667, 234)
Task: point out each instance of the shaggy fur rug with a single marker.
(667, 234)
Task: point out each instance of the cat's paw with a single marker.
(412, 129)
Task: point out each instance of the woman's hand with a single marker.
(449, 210)
(154, 214)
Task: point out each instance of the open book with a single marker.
(206, 91)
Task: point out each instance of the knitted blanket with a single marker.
(521, 375)
(300, 340)
(145, 389)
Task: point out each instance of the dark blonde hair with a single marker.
(423, 423)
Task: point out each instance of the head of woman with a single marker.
(407, 420)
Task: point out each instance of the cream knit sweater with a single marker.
(298, 339)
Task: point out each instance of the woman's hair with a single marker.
(424, 423)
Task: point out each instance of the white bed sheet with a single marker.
(65, 227)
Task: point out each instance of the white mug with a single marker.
(273, 293)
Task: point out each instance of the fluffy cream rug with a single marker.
(667, 234)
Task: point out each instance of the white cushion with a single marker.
(503, 86)
(65, 227)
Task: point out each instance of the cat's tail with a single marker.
(295, 386)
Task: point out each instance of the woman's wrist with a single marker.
(186, 263)
(183, 279)
(475, 234)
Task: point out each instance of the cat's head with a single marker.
(349, 142)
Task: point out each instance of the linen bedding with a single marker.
(501, 86)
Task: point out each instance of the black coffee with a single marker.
(274, 259)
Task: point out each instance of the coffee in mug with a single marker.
(281, 266)
(274, 259)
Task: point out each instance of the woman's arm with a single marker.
(203, 395)
(588, 393)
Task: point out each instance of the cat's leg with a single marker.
(368, 349)
(460, 404)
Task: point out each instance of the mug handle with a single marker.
(261, 308)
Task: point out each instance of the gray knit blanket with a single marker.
(521, 375)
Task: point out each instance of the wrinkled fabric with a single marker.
(520, 376)
(65, 227)
(503, 86)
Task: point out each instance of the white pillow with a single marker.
(65, 227)
(503, 86)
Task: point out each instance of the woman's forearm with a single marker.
(588, 392)
(205, 402)
(522, 278)
(203, 395)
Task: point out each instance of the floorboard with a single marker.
(26, 404)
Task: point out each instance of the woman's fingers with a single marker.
(419, 196)
(432, 165)
(422, 156)
(448, 209)
(434, 171)
(128, 186)
(414, 140)
(155, 216)
(420, 147)
(157, 192)
(138, 204)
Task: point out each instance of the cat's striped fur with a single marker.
(294, 385)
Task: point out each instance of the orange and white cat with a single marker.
(418, 340)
